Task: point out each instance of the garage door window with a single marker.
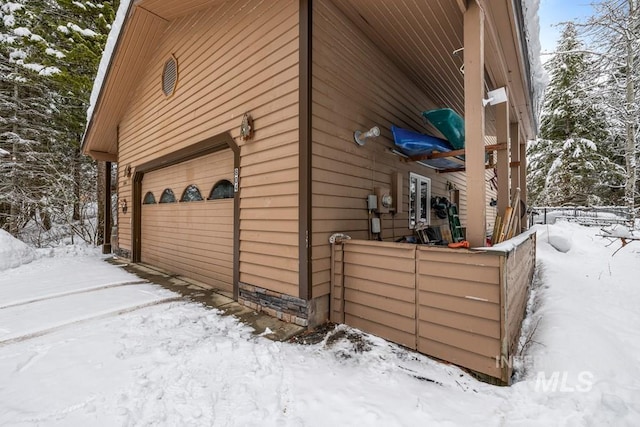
(222, 190)
(167, 196)
(149, 199)
(191, 194)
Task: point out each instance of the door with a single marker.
(187, 219)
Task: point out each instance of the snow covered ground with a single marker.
(84, 343)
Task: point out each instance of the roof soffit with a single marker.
(140, 32)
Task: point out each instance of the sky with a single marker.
(553, 12)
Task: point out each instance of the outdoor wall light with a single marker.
(123, 205)
(360, 137)
(496, 96)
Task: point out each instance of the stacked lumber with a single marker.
(505, 226)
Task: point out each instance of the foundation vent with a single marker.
(170, 76)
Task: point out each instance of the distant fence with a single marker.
(584, 215)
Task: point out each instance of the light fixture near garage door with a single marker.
(170, 76)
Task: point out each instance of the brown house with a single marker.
(232, 123)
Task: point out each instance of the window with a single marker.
(167, 196)
(149, 199)
(419, 200)
(222, 190)
(191, 194)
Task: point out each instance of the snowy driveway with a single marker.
(83, 343)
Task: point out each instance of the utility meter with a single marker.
(385, 201)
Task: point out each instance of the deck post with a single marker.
(523, 179)
(504, 157)
(106, 247)
(514, 137)
(474, 123)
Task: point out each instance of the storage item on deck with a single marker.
(415, 144)
(449, 123)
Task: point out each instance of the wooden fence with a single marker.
(462, 306)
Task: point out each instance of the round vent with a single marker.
(170, 76)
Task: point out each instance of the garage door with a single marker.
(187, 219)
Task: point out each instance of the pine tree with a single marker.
(49, 55)
(79, 32)
(568, 164)
(25, 116)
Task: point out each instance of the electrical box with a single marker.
(372, 202)
(385, 201)
(375, 225)
(396, 191)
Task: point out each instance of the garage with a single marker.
(187, 219)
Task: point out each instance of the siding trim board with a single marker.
(305, 101)
(199, 149)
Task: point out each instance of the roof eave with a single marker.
(88, 130)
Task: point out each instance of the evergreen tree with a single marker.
(49, 55)
(568, 164)
(79, 32)
(26, 133)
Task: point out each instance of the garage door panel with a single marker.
(210, 254)
(186, 260)
(170, 230)
(194, 239)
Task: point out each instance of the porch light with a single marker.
(496, 96)
(360, 137)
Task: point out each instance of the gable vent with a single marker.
(170, 76)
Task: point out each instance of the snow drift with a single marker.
(13, 252)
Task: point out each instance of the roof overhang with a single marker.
(423, 38)
(143, 27)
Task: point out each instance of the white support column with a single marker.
(474, 123)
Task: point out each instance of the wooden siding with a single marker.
(356, 86)
(379, 290)
(142, 30)
(234, 57)
(459, 307)
(520, 266)
(172, 10)
(462, 306)
(194, 239)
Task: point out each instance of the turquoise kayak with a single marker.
(449, 123)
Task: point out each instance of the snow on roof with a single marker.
(538, 76)
(109, 48)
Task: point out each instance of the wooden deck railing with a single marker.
(462, 306)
